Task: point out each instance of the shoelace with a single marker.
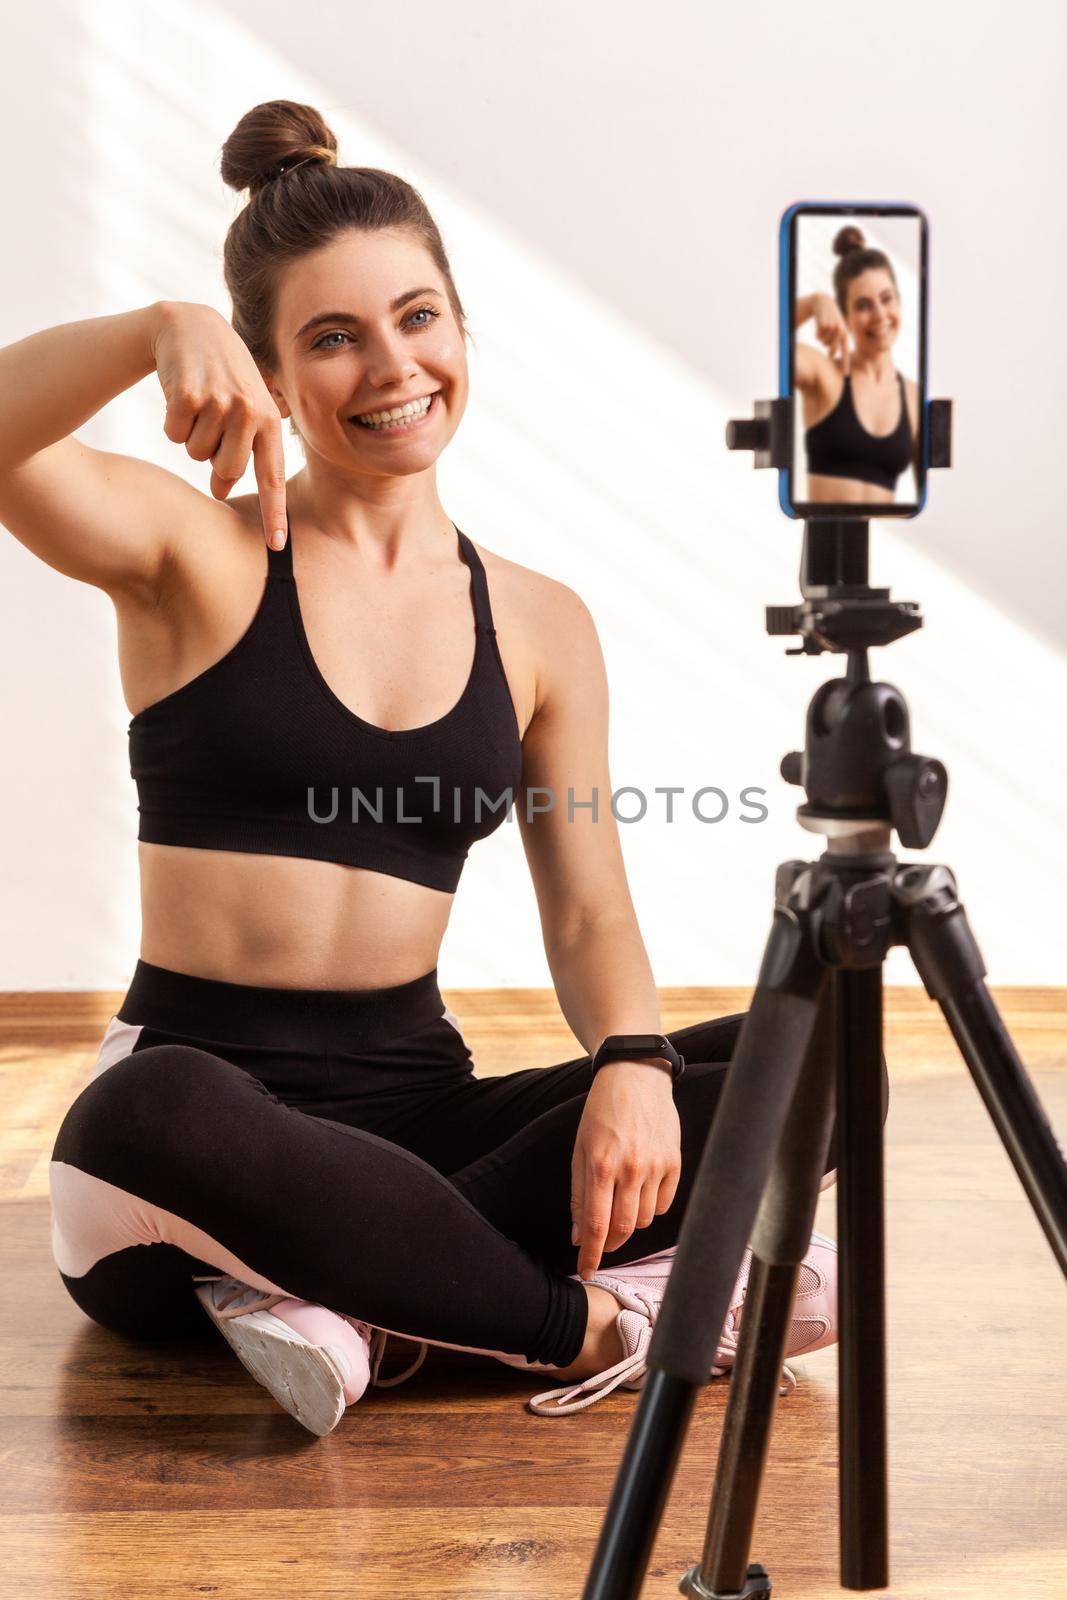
(728, 1346)
(232, 1303)
(553, 1402)
(561, 1402)
(379, 1338)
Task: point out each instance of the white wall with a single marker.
(608, 181)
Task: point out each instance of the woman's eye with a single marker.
(339, 333)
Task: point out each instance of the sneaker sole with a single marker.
(306, 1379)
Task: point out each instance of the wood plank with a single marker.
(152, 1472)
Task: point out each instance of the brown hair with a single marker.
(299, 199)
(856, 257)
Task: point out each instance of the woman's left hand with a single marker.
(627, 1157)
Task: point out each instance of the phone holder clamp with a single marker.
(769, 433)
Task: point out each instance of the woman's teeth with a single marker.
(402, 414)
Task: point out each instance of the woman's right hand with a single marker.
(219, 407)
(830, 327)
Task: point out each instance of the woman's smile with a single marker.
(403, 426)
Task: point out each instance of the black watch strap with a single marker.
(638, 1047)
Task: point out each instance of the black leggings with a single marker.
(337, 1146)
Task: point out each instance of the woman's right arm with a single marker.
(808, 363)
(107, 519)
(804, 307)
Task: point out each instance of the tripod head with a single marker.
(857, 767)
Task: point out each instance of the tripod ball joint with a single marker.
(857, 765)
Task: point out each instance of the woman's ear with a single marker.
(276, 394)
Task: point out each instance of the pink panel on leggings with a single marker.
(91, 1219)
(117, 1043)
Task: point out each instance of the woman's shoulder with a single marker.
(541, 622)
(521, 585)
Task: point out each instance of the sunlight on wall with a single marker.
(592, 454)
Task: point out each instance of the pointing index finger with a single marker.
(596, 1219)
(269, 461)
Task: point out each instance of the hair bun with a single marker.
(849, 238)
(271, 139)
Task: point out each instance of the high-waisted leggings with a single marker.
(336, 1145)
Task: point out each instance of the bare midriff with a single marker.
(285, 922)
(822, 488)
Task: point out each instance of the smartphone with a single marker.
(852, 357)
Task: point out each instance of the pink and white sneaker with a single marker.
(315, 1362)
(639, 1287)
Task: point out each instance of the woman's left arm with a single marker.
(627, 1158)
(595, 952)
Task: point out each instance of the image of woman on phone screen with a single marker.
(861, 415)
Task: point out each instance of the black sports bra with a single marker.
(258, 754)
(839, 446)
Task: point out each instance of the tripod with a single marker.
(809, 1049)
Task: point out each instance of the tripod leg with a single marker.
(779, 1242)
(863, 1473)
(951, 967)
(726, 1193)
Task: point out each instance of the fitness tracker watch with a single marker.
(638, 1047)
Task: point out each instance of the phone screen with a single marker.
(853, 358)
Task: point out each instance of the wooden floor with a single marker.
(154, 1473)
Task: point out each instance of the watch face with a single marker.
(641, 1046)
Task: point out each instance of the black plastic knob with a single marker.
(748, 433)
(792, 767)
(917, 787)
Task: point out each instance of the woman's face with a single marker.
(361, 355)
(873, 314)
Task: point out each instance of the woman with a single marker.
(860, 414)
(283, 1109)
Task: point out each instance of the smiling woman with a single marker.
(297, 1108)
(317, 206)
